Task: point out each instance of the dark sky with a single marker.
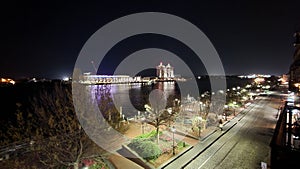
(43, 39)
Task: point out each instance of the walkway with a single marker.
(207, 137)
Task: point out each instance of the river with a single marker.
(131, 98)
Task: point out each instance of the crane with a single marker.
(92, 62)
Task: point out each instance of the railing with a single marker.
(283, 152)
(14, 149)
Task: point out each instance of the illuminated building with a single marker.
(95, 79)
(295, 66)
(7, 81)
(165, 72)
(87, 78)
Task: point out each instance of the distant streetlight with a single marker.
(148, 108)
(176, 102)
(173, 129)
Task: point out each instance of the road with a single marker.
(243, 143)
(246, 144)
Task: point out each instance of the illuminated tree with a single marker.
(159, 115)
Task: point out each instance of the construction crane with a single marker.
(92, 62)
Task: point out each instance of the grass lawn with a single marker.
(164, 148)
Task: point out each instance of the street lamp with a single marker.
(297, 85)
(143, 124)
(143, 128)
(170, 114)
(201, 106)
(176, 102)
(148, 108)
(199, 121)
(173, 129)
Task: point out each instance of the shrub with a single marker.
(150, 150)
(137, 142)
(166, 147)
(148, 135)
(145, 148)
(165, 138)
(182, 144)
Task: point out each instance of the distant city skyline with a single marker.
(43, 39)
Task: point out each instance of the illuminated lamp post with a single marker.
(170, 114)
(143, 124)
(201, 104)
(173, 129)
(298, 86)
(199, 122)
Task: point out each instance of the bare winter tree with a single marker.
(52, 126)
(64, 141)
(158, 113)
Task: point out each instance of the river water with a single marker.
(131, 98)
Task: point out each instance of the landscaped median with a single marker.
(145, 151)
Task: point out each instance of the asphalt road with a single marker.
(246, 144)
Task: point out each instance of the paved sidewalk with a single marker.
(121, 162)
(208, 136)
(206, 141)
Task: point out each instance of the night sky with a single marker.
(43, 40)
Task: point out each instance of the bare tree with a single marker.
(66, 142)
(52, 126)
(158, 113)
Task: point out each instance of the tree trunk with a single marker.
(204, 124)
(76, 163)
(76, 166)
(157, 134)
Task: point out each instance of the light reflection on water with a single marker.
(132, 97)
